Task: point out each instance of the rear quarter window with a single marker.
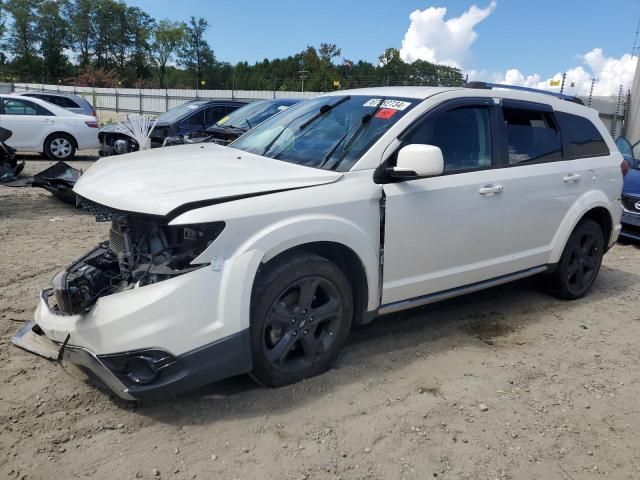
(581, 136)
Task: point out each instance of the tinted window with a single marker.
(463, 134)
(532, 136)
(63, 102)
(583, 137)
(213, 114)
(22, 107)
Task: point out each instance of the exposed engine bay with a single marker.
(141, 250)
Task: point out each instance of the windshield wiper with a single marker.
(247, 121)
(364, 121)
(324, 109)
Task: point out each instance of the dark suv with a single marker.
(187, 118)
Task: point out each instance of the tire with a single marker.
(302, 309)
(60, 146)
(580, 262)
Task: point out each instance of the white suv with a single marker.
(259, 257)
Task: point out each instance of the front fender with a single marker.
(291, 232)
(588, 201)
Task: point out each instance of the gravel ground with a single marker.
(505, 383)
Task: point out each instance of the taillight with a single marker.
(93, 112)
(92, 124)
(624, 168)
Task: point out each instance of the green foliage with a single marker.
(118, 45)
(195, 53)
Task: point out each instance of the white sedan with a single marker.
(39, 126)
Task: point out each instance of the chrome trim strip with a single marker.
(454, 292)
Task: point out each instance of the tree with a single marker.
(168, 37)
(23, 37)
(328, 51)
(81, 14)
(3, 28)
(196, 54)
(141, 26)
(54, 38)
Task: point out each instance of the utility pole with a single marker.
(303, 74)
(593, 82)
(564, 77)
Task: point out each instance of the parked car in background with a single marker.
(39, 126)
(630, 190)
(68, 101)
(260, 256)
(230, 127)
(189, 117)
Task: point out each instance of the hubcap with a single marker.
(583, 262)
(60, 147)
(301, 324)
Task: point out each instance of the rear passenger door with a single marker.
(28, 122)
(544, 181)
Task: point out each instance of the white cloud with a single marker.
(609, 72)
(430, 37)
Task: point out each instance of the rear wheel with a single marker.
(301, 315)
(580, 262)
(59, 146)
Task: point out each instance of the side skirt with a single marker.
(454, 292)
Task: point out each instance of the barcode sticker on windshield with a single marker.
(392, 104)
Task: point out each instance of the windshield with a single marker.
(251, 115)
(177, 113)
(330, 132)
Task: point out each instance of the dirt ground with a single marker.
(507, 383)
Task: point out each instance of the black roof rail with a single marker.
(490, 86)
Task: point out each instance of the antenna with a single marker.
(635, 41)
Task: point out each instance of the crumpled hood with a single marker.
(159, 181)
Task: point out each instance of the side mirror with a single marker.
(418, 161)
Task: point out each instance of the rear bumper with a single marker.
(222, 359)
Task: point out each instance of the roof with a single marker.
(403, 92)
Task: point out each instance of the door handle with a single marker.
(491, 189)
(571, 177)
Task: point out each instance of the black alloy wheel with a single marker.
(302, 314)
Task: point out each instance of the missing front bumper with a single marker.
(29, 337)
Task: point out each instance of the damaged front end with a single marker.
(141, 250)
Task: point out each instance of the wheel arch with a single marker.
(594, 205)
(346, 259)
(59, 132)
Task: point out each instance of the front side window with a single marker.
(583, 137)
(463, 134)
(18, 107)
(329, 132)
(213, 114)
(532, 136)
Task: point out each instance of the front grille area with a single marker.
(102, 213)
(629, 203)
(116, 241)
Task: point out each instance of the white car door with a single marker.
(29, 123)
(446, 232)
(544, 184)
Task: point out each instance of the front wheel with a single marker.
(580, 262)
(301, 315)
(59, 146)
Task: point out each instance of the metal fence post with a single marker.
(140, 100)
(117, 101)
(166, 99)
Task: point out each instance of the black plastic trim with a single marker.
(224, 358)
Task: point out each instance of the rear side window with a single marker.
(13, 106)
(532, 136)
(63, 102)
(582, 137)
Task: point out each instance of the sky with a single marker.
(511, 41)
